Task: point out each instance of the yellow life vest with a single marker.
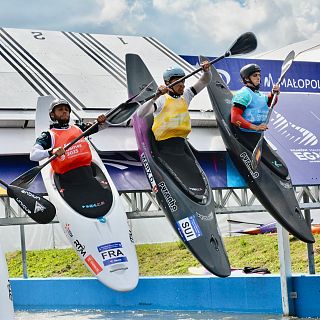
(173, 120)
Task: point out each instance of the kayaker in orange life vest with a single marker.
(60, 133)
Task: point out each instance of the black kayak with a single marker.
(180, 185)
(270, 182)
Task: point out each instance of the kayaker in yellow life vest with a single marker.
(172, 123)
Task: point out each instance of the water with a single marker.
(145, 315)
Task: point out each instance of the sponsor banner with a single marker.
(301, 77)
(189, 228)
(295, 131)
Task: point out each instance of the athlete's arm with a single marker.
(270, 97)
(152, 105)
(238, 120)
(204, 80)
(87, 125)
(42, 147)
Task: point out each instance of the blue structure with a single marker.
(248, 294)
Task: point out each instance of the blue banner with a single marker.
(301, 77)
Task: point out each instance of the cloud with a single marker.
(118, 16)
(185, 26)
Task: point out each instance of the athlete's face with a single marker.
(61, 114)
(179, 87)
(255, 78)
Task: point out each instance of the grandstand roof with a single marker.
(307, 50)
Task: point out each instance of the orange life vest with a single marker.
(78, 155)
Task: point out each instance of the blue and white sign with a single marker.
(189, 228)
(301, 77)
(112, 253)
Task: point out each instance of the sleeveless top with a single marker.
(256, 106)
(173, 120)
(78, 155)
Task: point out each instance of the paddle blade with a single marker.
(36, 207)
(256, 155)
(286, 64)
(246, 43)
(24, 180)
(122, 113)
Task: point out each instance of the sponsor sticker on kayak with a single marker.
(149, 173)
(112, 253)
(93, 264)
(189, 228)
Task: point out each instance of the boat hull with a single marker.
(105, 244)
(275, 193)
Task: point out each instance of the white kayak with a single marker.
(6, 304)
(103, 241)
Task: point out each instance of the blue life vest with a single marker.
(256, 104)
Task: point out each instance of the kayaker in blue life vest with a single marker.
(250, 106)
(249, 113)
(172, 123)
(60, 133)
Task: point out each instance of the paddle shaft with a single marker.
(5, 184)
(256, 155)
(246, 43)
(190, 74)
(273, 102)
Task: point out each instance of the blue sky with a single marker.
(188, 27)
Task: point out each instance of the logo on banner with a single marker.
(189, 228)
(112, 253)
(302, 141)
(224, 75)
(306, 85)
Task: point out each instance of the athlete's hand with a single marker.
(101, 119)
(59, 151)
(260, 127)
(162, 89)
(276, 89)
(205, 66)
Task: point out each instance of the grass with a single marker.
(169, 258)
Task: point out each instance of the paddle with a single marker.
(246, 43)
(36, 207)
(244, 222)
(256, 155)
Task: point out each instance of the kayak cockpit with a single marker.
(269, 157)
(86, 190)
(180, 163)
